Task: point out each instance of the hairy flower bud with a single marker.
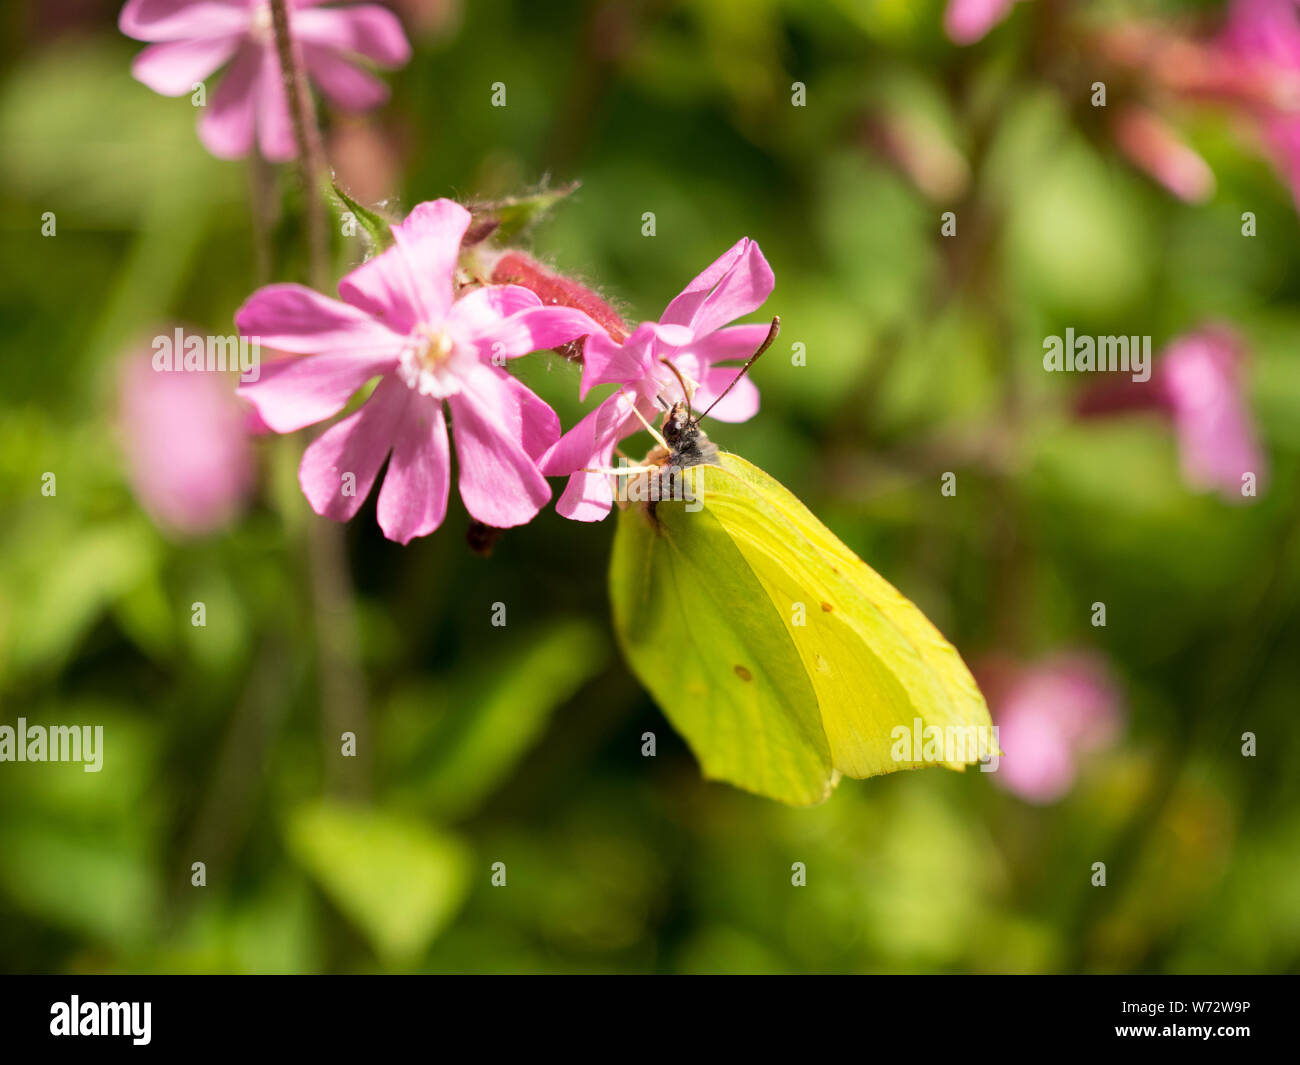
(516, 268)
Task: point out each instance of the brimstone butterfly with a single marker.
(781, 657)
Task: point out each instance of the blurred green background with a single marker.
(522, 745)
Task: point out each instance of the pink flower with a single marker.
(1199, 381)
(399, 321)
(187, 453)
(692, 335)
(1153, 146)
(1047, 715)
(196, 37)
(966, 21)
(1264, 36)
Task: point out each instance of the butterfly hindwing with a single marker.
(700, 635)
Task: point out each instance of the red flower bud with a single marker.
(516, 268)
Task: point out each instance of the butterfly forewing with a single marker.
(875, 661)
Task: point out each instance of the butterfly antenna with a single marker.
(767, 343)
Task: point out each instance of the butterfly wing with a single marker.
(836, 657)
(875, 661)
(699, 632)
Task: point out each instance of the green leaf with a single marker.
(397, 880)
(79, 880)
(375, 228)
(493, 718)
(518, 213)
(70, 583)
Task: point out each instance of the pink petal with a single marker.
(413, 500)
(274, 125)
(1264, 29)
(592, 441)
(366, 29)
(1047, 714)
(1282, 134)
(966, 21)
(298, 319)
(587, 497)
(293, 393)
(175, 67)
(733, 344)
(684, 306)
(384, 288)
(533, 330)
(175, 20)
(604, 362)
(344, 84)
(739, 405)
(229, 120)
(499, 481)
(346, 347)
(428, 245)
(357, 445)
(188, 459)
(1200, 378)
(482, 308)
(735, 284)
(1153, 146)
(525, 416)
(1038, 764)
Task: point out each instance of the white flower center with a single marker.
(428, 362)
(669, 385)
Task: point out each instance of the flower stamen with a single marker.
(426, 363)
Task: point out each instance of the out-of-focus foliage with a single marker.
(521, 744)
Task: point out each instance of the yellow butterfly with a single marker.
(782, 658)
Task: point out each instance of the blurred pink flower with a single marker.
(1048, 714)
(1264, 35)
(399, 321)
(691, 336)
(187, 453)
(1198, 383)
(1199, 380)
(196, 37)
(966, 21)
(1153, 146)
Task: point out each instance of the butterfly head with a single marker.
(687, 443)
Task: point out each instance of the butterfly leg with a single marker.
(619, 471)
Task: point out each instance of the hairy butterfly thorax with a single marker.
(687, 443)
(683, 444)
